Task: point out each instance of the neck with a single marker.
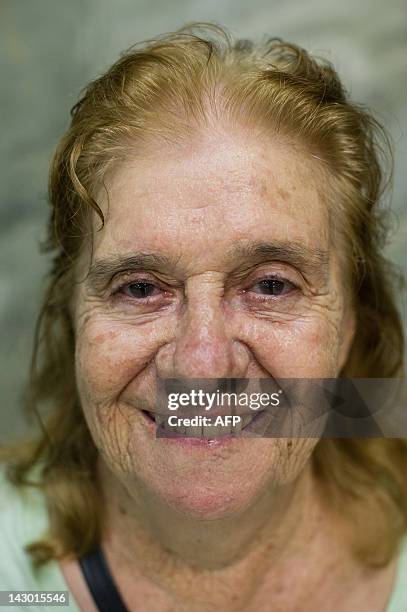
(285, 546)
(276, 523)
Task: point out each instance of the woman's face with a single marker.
(176, 291)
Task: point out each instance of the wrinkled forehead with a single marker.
(203, 198)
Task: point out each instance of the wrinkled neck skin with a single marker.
(275, 517)
(282, 546)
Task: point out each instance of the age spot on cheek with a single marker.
(283, 193)
(289, 448)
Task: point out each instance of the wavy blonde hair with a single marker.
(164, 89)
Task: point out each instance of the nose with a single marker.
(205, 345)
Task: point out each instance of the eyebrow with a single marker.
(311, 261)
(102, 272)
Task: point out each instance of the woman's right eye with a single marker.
(140, 290)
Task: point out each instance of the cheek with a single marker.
(312, 348)
(108, 356)
(291, 456)
(301, 348)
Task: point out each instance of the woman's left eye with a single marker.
(273, 287)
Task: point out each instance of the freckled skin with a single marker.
(199, 204)
(194, 203)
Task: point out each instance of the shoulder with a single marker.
(398, 600)
(23, 519)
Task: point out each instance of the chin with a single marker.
(225, 483)
(207, 503)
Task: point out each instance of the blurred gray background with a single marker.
(51, 48)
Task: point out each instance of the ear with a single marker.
(348, 334)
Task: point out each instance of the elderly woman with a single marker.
(214, 215)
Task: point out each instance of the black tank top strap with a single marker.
(97, 576)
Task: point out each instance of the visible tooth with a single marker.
(157, 419)
(214, 431)
(193, 432)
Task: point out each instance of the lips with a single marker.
(246, 424)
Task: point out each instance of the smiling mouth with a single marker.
(249, 423)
